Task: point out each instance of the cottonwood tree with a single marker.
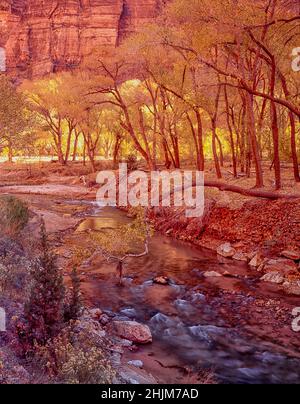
(111, 89)
(91, 126)
(234, 39)
(130, 241)
(14, 119)
(113, 134)
(224, 90)
(55, 100)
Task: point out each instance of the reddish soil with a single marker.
(257, 223)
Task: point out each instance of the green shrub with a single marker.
(70, 360)
(14, 215)
(43, 312)
(74, 307)
(85, 367)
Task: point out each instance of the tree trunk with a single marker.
(244, 133)
(195, 141)
(214, 133)
(258, 193)
(254, 143)
(293, 130)
(60, 156)
(220, 150)
(91, 155)
(175, 144)
(232, 146)
(117, 147)
(128, 126)
(214, 148)
(60, 153)
(68, 148)
(147, 152)
(90, 149)
(10, 152)
(75, 146)
(294, 147)
(166, 153)
(200, 140)
(275, 132)
(84, 153)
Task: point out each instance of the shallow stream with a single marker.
(195, 321)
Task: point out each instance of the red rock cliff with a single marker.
(44, 36)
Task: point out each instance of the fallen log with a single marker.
(254, 192)
(258, 193)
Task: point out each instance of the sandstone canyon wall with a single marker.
(44, 36)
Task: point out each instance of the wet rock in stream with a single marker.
(130, 313)
(161, 321)
(161, 280)
(136, 363)
(132, 331)
(184, 306)
(129, 375)
(226, 250)
(198, 298)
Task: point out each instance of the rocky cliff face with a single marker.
(44, 36)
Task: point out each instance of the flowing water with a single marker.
(187, 317)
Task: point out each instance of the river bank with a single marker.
(265, 234)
